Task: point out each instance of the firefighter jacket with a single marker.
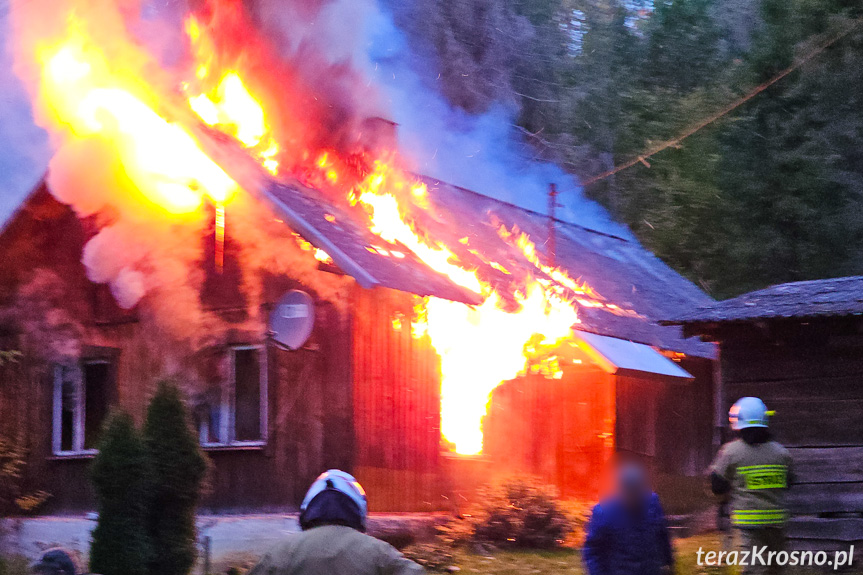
(334, 549)
(759, 475)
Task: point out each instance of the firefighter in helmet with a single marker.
(754, 472)
(333, 540)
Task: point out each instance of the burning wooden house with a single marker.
(364, 391)
(798, 346)
(320, 304)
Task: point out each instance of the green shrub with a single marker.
(520, 512)
(120, 478)
(13, 454)
(177, 468)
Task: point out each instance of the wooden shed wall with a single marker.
(553, 428)
(668, 421)
(559, 429)
(396, 404)
(814, 382)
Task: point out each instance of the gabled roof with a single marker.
(635, 289)
(631, 289)
(808, 299)
(355, 249)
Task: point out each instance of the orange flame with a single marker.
(89, 100)
(229, 105)
(480, 346)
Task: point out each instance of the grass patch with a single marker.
(14, 565)
(568, 561)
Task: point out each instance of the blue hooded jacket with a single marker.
(620, 542)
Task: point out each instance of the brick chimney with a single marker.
(378, 135)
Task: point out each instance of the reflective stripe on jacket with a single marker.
(759, 475)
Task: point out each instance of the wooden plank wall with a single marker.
(559, 429)
(815, 385)
(310, 420)
(667, 425)
(310, 426)
(669, 421)
(310, 390)
(396, 405)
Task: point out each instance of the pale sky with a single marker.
(24, 151)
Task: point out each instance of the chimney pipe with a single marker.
(378, 135)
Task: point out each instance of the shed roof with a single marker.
(808, 299)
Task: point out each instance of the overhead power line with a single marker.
(642, 158)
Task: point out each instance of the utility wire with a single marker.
(642, 159)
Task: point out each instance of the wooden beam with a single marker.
(850, 529)
(833, 464)
(818, 498)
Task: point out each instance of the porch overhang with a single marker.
(624, 357)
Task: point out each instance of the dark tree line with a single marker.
(769, 193)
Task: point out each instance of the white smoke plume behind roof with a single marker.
(480, 152)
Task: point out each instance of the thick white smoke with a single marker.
(146, 255)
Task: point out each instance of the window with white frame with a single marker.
(237, 410)
(82, 397)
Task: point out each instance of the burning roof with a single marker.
(621, 289)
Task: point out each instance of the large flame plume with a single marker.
(96, 88)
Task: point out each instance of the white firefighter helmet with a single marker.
(340, 481)
(748, 412)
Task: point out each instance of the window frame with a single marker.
(79, 415)
(228, 409)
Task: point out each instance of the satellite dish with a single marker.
(292, 320)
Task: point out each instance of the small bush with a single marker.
(518, 512)
(579, 512)
(432, 556)
(120, 478)
(178, 468)
(234, 564)
(13, 456)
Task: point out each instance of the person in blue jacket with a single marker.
(627, 533)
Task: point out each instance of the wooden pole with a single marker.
(220, 237)
(552, 207)
(207, 555)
